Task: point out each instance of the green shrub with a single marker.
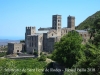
(42, 58)
(24, 73)
(2, 54)
(49, 56)
(41, 53)
(35, 53)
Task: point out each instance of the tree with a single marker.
(68, 50)
(96, 40)
(91, 60)
(97, 24)
(91, 52)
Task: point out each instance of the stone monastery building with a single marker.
(44, 38)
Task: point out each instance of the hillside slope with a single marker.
(88, 22)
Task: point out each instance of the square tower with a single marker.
(71, 22)
(56, 23)
(29, 31)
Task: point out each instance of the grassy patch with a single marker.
(22, 67)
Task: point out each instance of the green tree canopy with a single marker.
(22, 41)
(68, 50)
(91, 60)
(95, 32)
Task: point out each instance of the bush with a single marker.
(35, 53)
(2, 54)
(42, 58)
(49, 56)
(24, 73)
(41, 53)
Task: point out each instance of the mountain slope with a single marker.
(87, 23)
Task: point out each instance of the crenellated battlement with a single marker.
(30, 30)
(71, 17)
(30, 27)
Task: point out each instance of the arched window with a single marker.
(58, 20)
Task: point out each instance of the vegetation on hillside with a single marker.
(85, 58)
(89, 22)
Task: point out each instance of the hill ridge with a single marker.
(88, 22)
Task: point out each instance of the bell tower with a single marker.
(71, 22)
(56, 24)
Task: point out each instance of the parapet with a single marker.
(30, 27)
(56, 16)
(71, 17)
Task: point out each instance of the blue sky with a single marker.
(15, 15)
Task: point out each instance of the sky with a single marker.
(15, 15)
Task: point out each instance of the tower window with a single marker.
(58, 27)
(58, 20)
(58, 24)
(52, 34)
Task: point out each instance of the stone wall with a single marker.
(51, 42)
(31, 44)
(45, 42)
(34, 43)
